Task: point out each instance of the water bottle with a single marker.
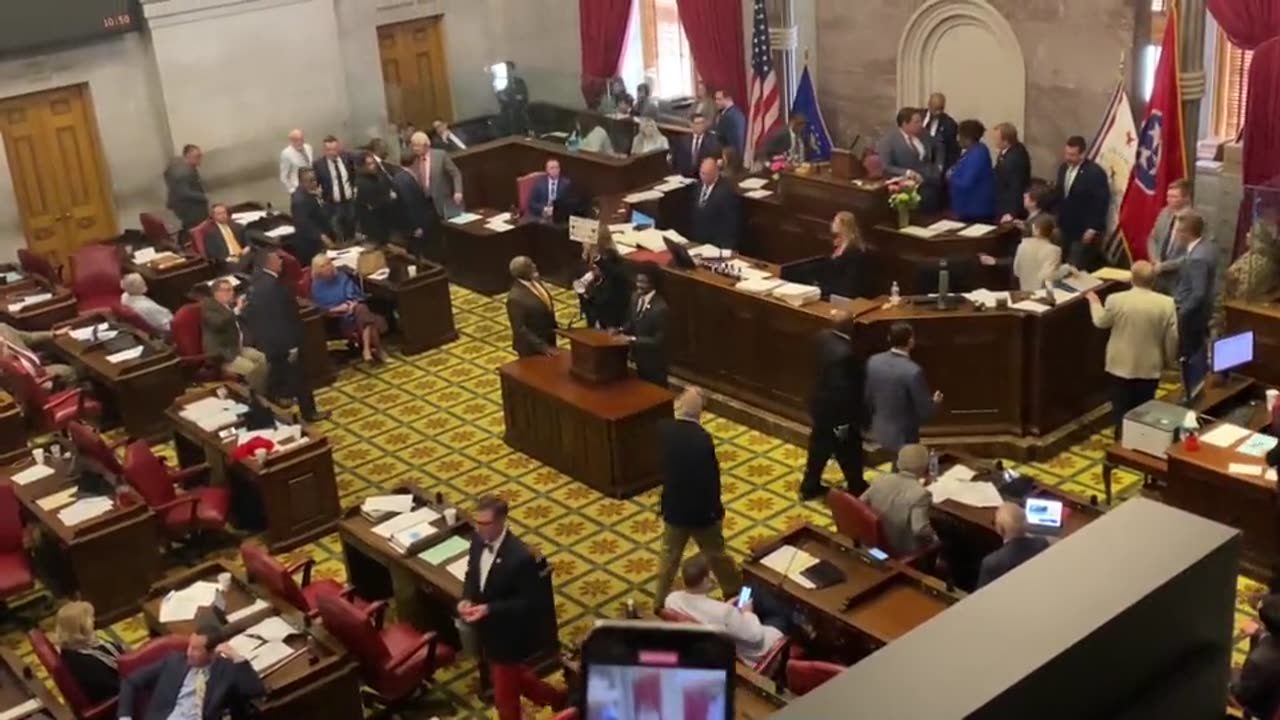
(895, 294)
(270, 211)
(944, 283)
(933, 464)
(574, 141)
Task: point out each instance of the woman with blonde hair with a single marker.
(649, 138)
(844, 273)
(90, 659)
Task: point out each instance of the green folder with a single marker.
(447, 550)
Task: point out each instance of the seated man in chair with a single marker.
(755, 627)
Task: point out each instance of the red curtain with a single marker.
(603, 27)
(714, 29)
(1261, 131)
(1247, 23)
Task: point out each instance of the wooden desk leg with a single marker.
(1106, 480)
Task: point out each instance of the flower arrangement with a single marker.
(904, 196)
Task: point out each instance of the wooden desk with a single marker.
(314, 353)
(602, 436)
(168, 282)
(1263, 318)
(293, 495)
(36, 316)
(85, 559)
(424, 310)
(322, 681)
(13, 279)
(875, 604)
(1199, 482)
(477, 258)
(427, 595)
(19, 684)
(137, 392)
(13, 430)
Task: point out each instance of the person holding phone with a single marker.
(753, 632)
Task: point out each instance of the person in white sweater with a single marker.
(1038, 258)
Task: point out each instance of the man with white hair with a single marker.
(135, 296)
(437, 175)
(295, 156)
(1019, 547)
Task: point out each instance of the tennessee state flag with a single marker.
(1161, 156)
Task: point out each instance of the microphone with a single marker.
(791, 562)
(853, 145)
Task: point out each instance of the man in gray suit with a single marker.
(897, 394)
(1193, 296)
(901, 501)
(437, 175)
(1165, 254)
(906, 155)
(187, 198)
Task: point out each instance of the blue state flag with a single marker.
(818, 142)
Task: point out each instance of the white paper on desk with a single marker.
(1081, 282)
(244, 644)
(464, 218)
(85, 333)
(145, 255)
(678, 178)
(274, 628)
(182, 605)
(977, 230)
(625, 250)
(957, 473)
(710, 252)
(1059, 295)
(747, 271)
(85, 509)
(29, 300)
(270, 654)
(1225, 435)
(458, 568)
(759, 287)
(674, 237)
(1030, 306)
(649, 239)
(499, 227)
(757, 194)
(500, 217)
(400, 522)
(1269, 475)
(12, 277)
(946, 226)
(17, 712)
(244, 612)
(31, 474)
(988, 298)
(281, 231)
(132, 353)
(248, 216)
(789, 558)
(52, 502)
(669, 186)
(644, 196)
(621, 227)
(1248, 469)
(754, 183)
(974, 494)
(917, 231)
(398, 503)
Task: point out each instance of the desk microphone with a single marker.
(854, 143)
(787, 570)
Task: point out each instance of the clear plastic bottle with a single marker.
(895, 294)
(933, 464)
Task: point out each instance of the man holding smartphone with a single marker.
(753, 633)
(498, 596)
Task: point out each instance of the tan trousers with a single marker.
(710, 542)
(252, 365)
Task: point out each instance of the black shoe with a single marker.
(320, 415)
(807, 494)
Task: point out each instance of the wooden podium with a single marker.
(596, 356)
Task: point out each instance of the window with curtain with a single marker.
(665, 48)
(1232, 90)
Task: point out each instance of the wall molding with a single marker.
(926, 28)
(168, 13)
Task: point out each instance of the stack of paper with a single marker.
(675, 237)
(405, 521)
(977, 230)
(1110, 273)
(11, 276)
(709, 252)
(797, 294)
(917, 231)
(1030, 306)
(181, 605)
(762, 286)
(957, 473)
(244, 218)
(445, 551)
(85, 333)
(263, 644)
(757, 194)
(132, 353)
(1257, 445)
(272, 628)
(270, 655)
(1059, 295)
(754, 183)
(279, 231)
(639, 197)
(987, 298)
(1248, 469)
(946, 226)
(499, 223)
(1080, 282)
(648, 239)
(404, 539)
(29, 300)
(85, 509)
(458, 568)
(59, 499)
(348, 258)
(145, 255)
(1224, 435)
(380, 506)
(464, 218)
(791, 561)
(748, 271)
(213, 413)
(18, 712)
(974, 494)
(670, 185)
(31, 474)
(246, 611)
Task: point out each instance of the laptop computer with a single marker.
(1044, 516)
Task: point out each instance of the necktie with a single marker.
(339, 183)
(229, 238)
(697, 143)
(702, 196)
(551, 193)
(1164, 246)
(202, 684)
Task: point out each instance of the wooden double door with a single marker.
(59, 173)
(414, 72)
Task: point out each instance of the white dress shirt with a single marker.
(342, 190)
(291, 161)
(156, 315)
(752, 637)
(915, 143)
(487, 557)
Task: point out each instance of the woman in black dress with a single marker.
(845, 272)
(90, 659)
(606, 290)
(375, 201)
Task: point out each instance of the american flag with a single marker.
(765, 105)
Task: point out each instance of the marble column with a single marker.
(1191, 17)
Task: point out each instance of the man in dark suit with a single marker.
(941, 134)
(905, 151)
(187, 198)
(717, 210)
(789, 141)
(1018, 547)
(224, 240)
(498, 600)
(835, 412)
(1194, 296)
(312, 229)
(446, 138)
(1013, 174)
(646, 329)
(336, 173)
(419, 221)
(691, 504)
(1257, 687)
(731, 123)
(553, 187)
(689, 152)
(530, 310)
(896, 393)
(223, 340)
(204, 684)
(275, 326)
(1082, 198)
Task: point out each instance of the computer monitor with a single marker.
(1044, 516)
(640, 220)
(1232, 352)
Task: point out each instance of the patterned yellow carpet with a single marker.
(435, 421)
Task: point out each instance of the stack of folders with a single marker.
(452, 554)
(263, 645)
(403, 530)
(381, 507)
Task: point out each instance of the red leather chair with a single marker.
(396, 661)
(290, 269)
(524, 189)
(805, 675)
(67, 683)
(269, 572)
(855, 519)
(39, 266)
(15, 566)
(46, 411)
(181, 515)
(151, 652)
(197, 235)
(767, 665)
(92, 447)
(187, 330)
(95, 271)
(154, 228)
